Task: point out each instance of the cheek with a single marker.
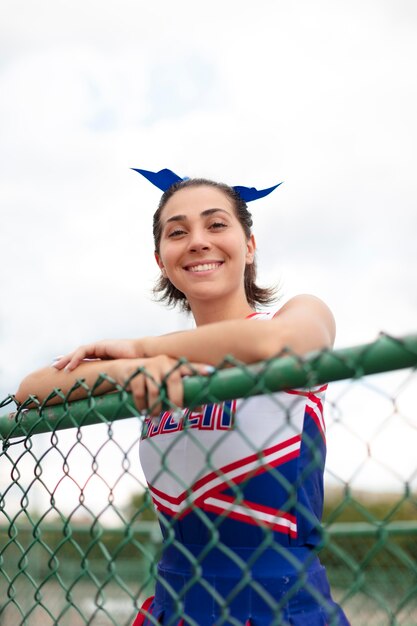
(241, 249)
(168, 256)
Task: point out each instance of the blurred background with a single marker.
(321, 96)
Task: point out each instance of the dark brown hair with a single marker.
(165, 291)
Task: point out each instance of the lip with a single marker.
(191, 267)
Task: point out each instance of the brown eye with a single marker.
(176, 233)
(218, 225)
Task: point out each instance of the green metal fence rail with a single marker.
(385, 354)
(79, 540)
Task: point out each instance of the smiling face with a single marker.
(203, 248)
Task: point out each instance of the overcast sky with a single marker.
(321, 95)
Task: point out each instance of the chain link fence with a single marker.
(79, 538)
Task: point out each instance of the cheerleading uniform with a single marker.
(238, 487)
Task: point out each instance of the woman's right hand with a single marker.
(157, 371)
(145, 385)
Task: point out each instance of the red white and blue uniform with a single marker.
(238, 487)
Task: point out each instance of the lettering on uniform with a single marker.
(211, 417)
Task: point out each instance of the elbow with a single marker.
(20, 395)
(37, 384)
(304, 325)
(24, 390)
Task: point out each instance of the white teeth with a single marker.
(204, 267)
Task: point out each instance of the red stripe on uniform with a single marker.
(310, 412)
(249, 518)
(223, 471)
(143, 613)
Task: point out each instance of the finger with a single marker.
(137, 387)
(153, 391)
(84, 353)
(175, 387)
(76, 358)
(62, 361)
(196, 369)
(72, 360)
(91, 351)
(56, 360)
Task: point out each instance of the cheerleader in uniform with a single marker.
(235, 551)
(238, 486)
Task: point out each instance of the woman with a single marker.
(238, 486)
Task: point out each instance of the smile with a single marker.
(204, 267)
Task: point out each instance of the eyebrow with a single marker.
(205, 213)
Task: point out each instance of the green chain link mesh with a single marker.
(79, 540)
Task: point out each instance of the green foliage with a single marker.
(140, 507)
(349, 506)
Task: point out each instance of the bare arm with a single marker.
(43, 381)
(304, 324)
(145, 387)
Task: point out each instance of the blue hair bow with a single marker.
(165, 178)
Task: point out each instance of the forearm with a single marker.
(246, 341)
(303, 325)
(42, 382)
(209, 343)
(142, 377)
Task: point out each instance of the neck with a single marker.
(218, 311)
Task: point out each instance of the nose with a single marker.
(198, 241)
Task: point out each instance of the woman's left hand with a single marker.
(105, 349)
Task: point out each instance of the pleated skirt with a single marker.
(282, 589)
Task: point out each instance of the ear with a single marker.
(250, 250)
(160, 264)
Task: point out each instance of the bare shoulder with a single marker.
(306, 310)
(307, 302)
